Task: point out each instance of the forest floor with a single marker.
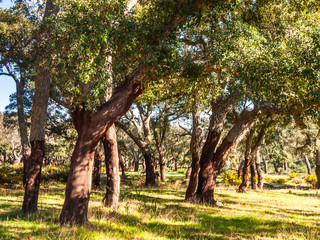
(162, 213)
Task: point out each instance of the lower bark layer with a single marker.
(31, 177)
(75, 207)
(111, 198)
(193, 182)
(150, 175)
(245, 175)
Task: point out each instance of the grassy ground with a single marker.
(161, 213)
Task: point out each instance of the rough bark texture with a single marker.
(253, 176)
(306, 160)
(195, 150)
(96, 175)
(32, 175)
(110, 145)
(37, 136)
(75, 207)
(247, 163)
(237, 132)
(38, 120)
(206, 182)
(150, 175)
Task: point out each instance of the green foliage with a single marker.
(311, 179)
(11, 174)
(231, 177)
(56, 173)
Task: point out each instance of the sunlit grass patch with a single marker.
(162, 213)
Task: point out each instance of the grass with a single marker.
(161, 213)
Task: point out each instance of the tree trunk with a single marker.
(306, 159)
(275, 167)
(236, 133)
(195, 149)
(21, 116)
(245, 174)
(121, 164)
(188, 173)
(162, 172)
(75, 207)
(259, 172)
(96, 175)
(110, 145)
(31, 177)
(265, 164)
(32, 165)
(176, 164)
(253, 176)
(247, 163)
(150, 175)
(285, 167)
(193, 182)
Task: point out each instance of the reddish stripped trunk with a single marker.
(193, 182)
(75, 207)
(110, 145)
(96, 179)
(32, 175)
(150, 175)
(245, 174)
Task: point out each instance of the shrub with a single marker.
(231, 177)
(182, 171)
(280, 180)
(292, 175)
(311, 179)
(12, 174)
(267, 179)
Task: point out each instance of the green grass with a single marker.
(161, 213)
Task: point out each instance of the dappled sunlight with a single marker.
(162, 213)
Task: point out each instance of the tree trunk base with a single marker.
(31, 177)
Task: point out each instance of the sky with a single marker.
(7, 85)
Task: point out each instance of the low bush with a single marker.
(292, 175)
(311, 179)
(267, 179)
(280, 180)
(231, 177)
(11, 174)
